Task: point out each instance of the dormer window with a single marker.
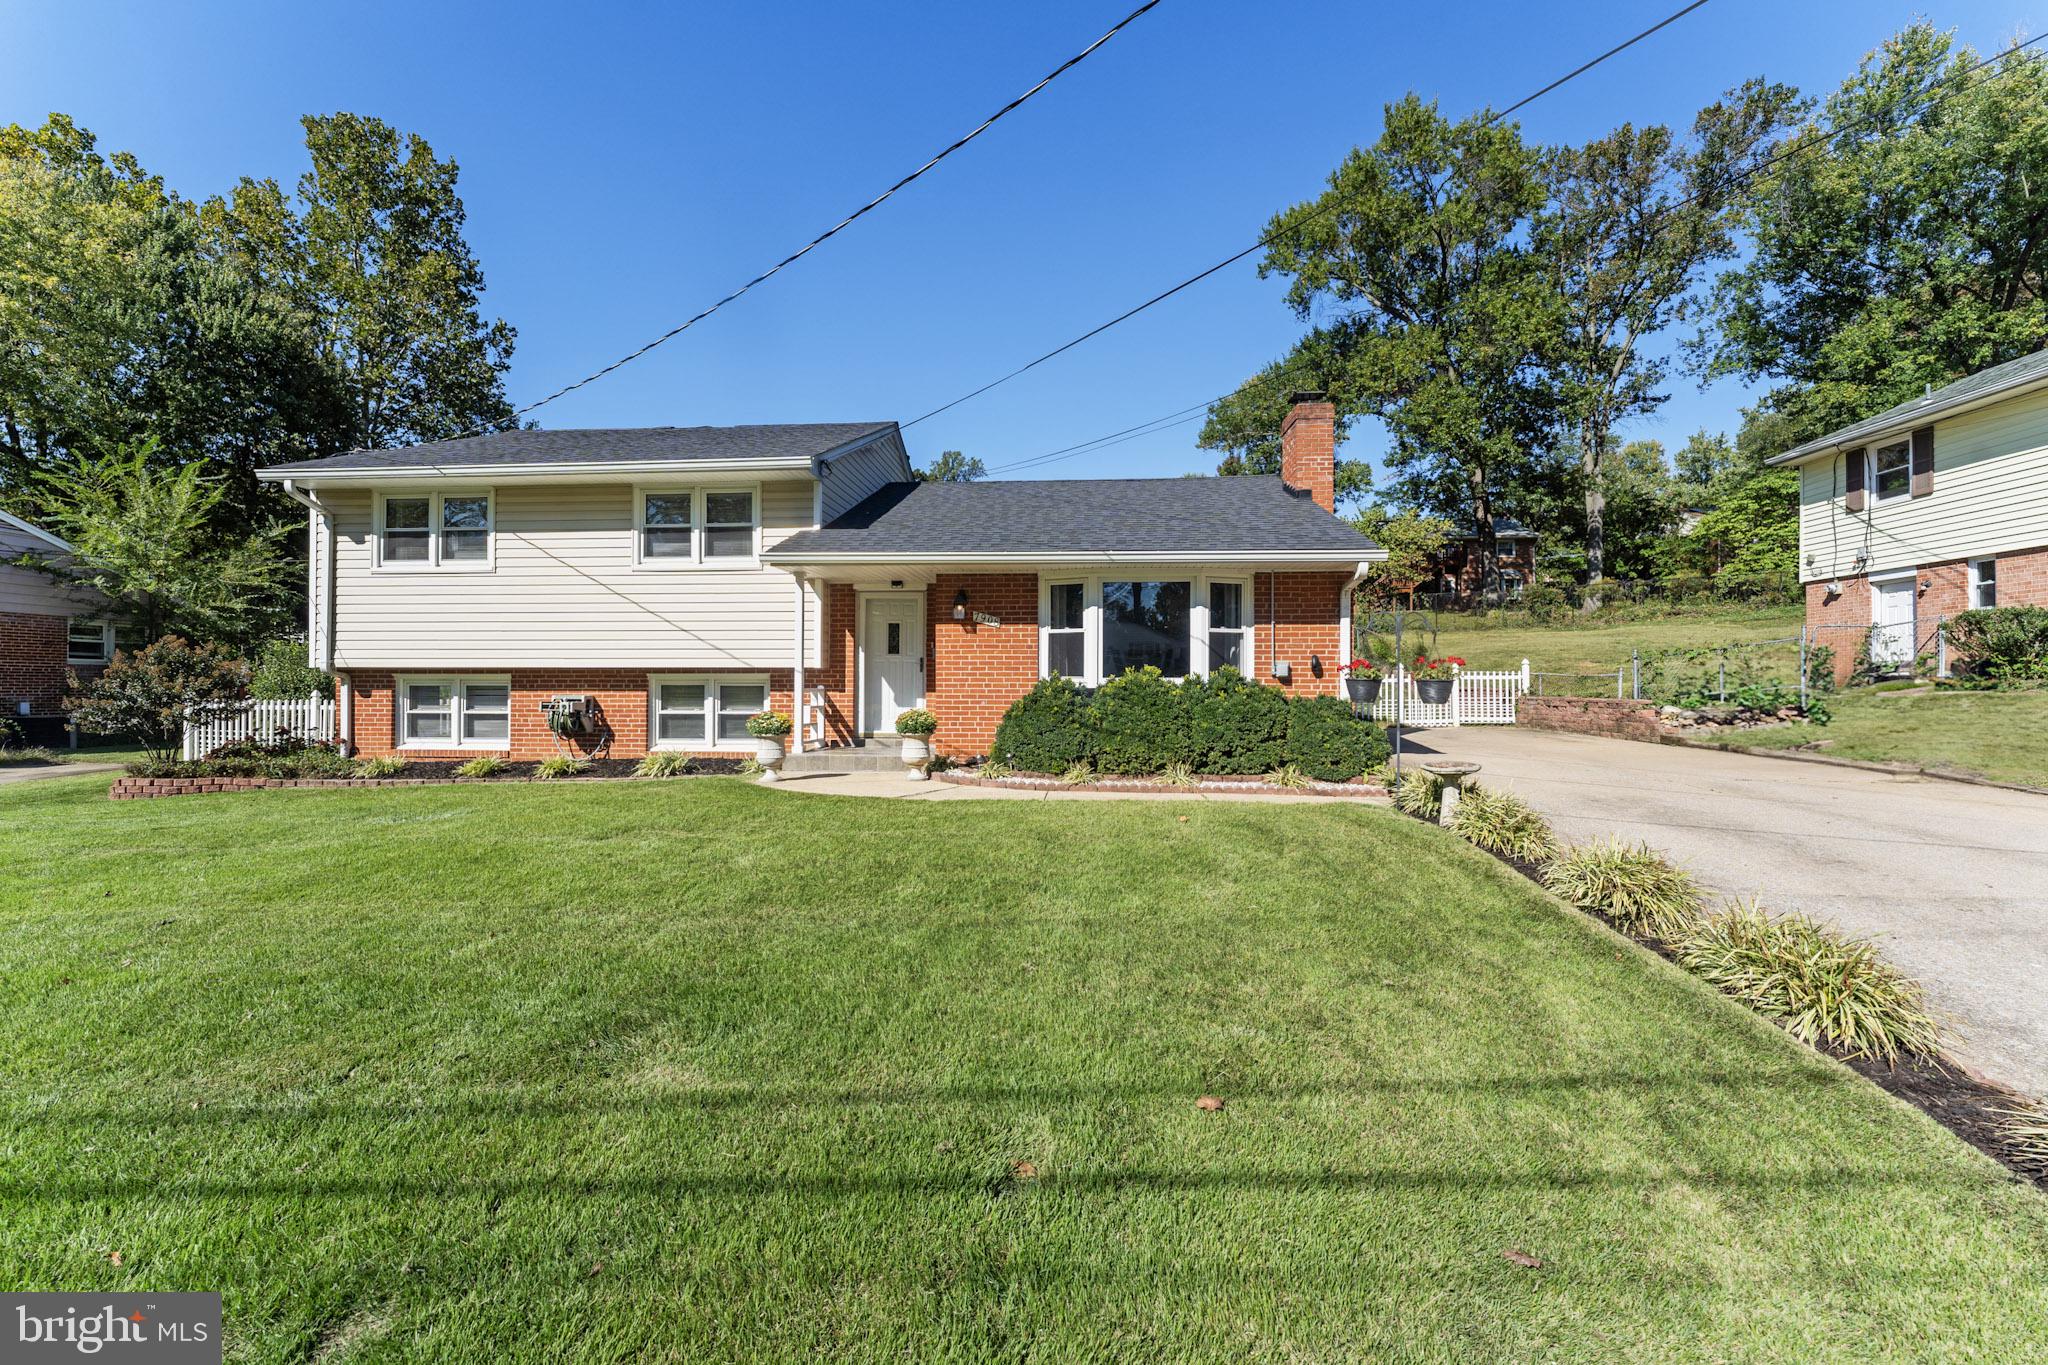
(434, 530)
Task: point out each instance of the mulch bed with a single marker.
(1941, 1088)
(967, 777)
(440, 769)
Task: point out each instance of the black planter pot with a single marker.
(1362, 691)
(1435, 691)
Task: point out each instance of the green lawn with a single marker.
(702, 1069)
(1603, 643)
(2002, 735)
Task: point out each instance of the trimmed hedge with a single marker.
(1236, 725)
(1141, 723)
(1047, 730)
(1226, 724)
(1325, 740)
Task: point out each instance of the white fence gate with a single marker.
(1477, 698)
(310, 718)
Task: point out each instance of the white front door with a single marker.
(892, 654)
(1891, 615)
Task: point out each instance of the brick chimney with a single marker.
(1308, 449)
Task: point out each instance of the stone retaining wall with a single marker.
(1615, 717)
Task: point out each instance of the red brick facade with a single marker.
(1841, 621)
(32, 663)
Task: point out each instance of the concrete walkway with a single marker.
(1952, 879)
(32, 772)
(895, 786)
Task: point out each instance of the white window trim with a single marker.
(1198, 618)
(106, 630)
(710, 682)
(1977, 582)
(432, 563)
(1870, 473)
(696, 561)
(458, 683)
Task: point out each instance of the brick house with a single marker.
(672, 581)
(46, 633)
(1459, 565)
(1930, 508)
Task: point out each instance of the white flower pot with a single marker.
(768, 752)
(917, 751)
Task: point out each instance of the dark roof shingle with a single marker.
(2028, 370)
(1078, 516)
(605, 445)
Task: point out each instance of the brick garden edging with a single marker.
(1615, 717)
(1140, 785)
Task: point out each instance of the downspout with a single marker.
(799, 711)
(320, 558)
(1346, 645)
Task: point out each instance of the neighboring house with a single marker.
(1925, 510)
(1458, 580)
(669, 582)
(46, 632)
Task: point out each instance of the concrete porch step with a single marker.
(875, 754)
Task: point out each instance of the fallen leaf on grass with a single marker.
(597, 1268)
(1522, 1258)
(1209, 1103)
(1023, 1170)
(114, 1258)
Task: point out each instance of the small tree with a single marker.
(153, 693)
(282, 674)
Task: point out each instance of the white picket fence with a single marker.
(311, 718)
(1477, 698)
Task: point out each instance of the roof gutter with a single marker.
(1339, 557)
(306, 478)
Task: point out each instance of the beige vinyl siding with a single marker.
(1990, 497)
(26, 590)
(858, 473)
(564, 592)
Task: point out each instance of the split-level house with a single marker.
(666, 583)
(48, 631)
(1927, 509)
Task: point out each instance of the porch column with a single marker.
(798, 710)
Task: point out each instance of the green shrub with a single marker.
(666, 763)
(1140, 722)
(383, 765)
(11, 734)
(1046, 730)
(483, 765)
(1235, 725)
(1501, 822)
(917, 724)
(1418, 793)
(1325, 740)
(282, 674)
(2006, 643)
(1628, 883)
(1821, 986)
(559, 765)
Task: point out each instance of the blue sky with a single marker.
(623, 166)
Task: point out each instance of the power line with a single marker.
(1797, 146)
(1068, 452)
(1291, 226)
(843, 223)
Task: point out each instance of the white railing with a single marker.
(310, 718)
(814, 717)
(1477, 698)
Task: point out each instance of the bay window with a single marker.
(704, 712)
(1145, 625)
(683, 528)
(454, 713)
(432, 530)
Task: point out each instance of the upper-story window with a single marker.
(88, 642)
(1891, 471)
(695, 527)
(431, 530)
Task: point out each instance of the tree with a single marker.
(140, 537)
(952, 467)
(1631, 220)
(153, 693)
(1433, 315)
(1703, 459)
(1750, 531)
(1412, 541)
(1904, 251)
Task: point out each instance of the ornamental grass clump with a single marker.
(1501, 822)
(1819, 985)
(559, 765)
(1417, 794)
(667, 763)
(383, 765)
(1078, 774)
(2025, 1131)
(483, 765)
(1289, 775)
(1178, 775)
(1629, 884)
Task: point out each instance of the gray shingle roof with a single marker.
(1066, 516)
(2026, 372)
(604, 445)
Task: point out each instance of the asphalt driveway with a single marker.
(1952, 879)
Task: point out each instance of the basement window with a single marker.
(454, 713)
(704, 712)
